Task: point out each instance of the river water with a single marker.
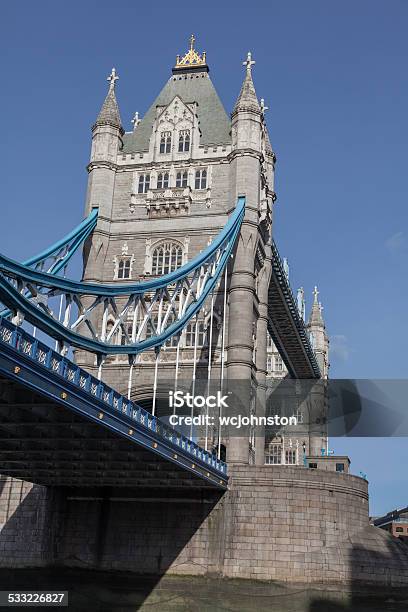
(122, 592)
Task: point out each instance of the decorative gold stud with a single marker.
(100, 415)
(17, 370)
(130, 432)
(193, 465)
(174, 456)
(154, 444)
(64, 395)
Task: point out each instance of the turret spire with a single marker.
(247, 99)
(109, 113)
(316, 317)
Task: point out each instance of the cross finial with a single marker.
(112, 78)
(315, 293)
(192, 41)
(263, 107)
(136, 120)
(249, 62)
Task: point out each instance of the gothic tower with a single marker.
(164, 191)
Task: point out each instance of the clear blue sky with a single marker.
(334, 77)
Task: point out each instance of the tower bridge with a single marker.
(182, 281)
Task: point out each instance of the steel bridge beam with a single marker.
(286, 326)
(57, 430)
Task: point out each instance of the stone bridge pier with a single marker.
(286, 524)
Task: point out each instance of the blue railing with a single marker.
(117, 404)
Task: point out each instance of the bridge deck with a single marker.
(61, 426)
(286, 326)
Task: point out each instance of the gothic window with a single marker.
(194, 328)
(201, 179)
(114, 338)
(144, 183)
(166, 257)
(269, 341)
(123, 339)
(184, 141)
(181, 179)
(124, 268)
(163, 180)
(278, 363)
(274, 453)
(290, 456)
(173, 340)
(165, 142)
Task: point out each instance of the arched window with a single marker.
(166, 257)
(151, 328)
(124, 268)
(290, 456)
(201, 179)
(273, 455)
(144, 183)
(163, 180)
(165, 142)
(278, 363)
(173, 340)
(182, 179)
(123, 339)
(184, 141)
(114, 338)
(192, 329)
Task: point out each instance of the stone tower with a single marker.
(164, 190)
(318, 335)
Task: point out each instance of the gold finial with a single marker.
(191, 59)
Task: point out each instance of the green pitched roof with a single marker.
(196, 87)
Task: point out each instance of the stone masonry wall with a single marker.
(275, 523)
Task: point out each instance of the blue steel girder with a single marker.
(57, 257)
(159, 308)
(77, 393)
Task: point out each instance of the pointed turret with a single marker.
(109, 113)
(317, 330)
(316, 318)
(107, 133)
(247, 117)
(247, 99)
(246, 170)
